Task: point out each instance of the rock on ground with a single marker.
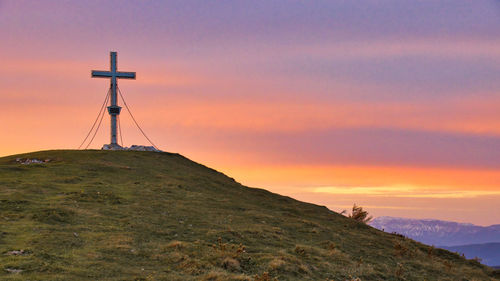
(133, 147)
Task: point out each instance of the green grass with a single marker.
(124, 215)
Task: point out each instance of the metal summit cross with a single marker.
(113, 109)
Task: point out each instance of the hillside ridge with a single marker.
(129, 215)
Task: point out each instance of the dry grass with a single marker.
(100, 215)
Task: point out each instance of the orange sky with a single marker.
(397, 111)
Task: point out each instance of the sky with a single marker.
(392, 105)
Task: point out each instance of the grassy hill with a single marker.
(124, 215)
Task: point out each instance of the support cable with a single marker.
(98, 115)
(139, 127)
(96, 130)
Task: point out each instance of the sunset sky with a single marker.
(393, 105)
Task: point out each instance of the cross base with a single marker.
(133, 147)
(112, 146)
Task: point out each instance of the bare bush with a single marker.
(358, 214)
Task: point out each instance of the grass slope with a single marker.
(124, 215)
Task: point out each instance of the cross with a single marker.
(113, 74)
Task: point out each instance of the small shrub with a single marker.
(222, 246)
(177, 245)
(264, 277)
(231, 264)
(300, 250)
(430, 252)
(229, 250)
(400, 249)
(276, 264)
(398, 235)
(447, 265)
(358, 214)
(329, 245)
(399, 271)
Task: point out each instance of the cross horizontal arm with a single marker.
(107, 74)
(101, 73)
(126, 75)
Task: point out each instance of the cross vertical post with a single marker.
(113, 108)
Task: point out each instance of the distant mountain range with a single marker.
(437, 232)
(488, 252)
(469, 239)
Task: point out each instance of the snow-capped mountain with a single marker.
(437, 232)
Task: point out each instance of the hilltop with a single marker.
(129, 215)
